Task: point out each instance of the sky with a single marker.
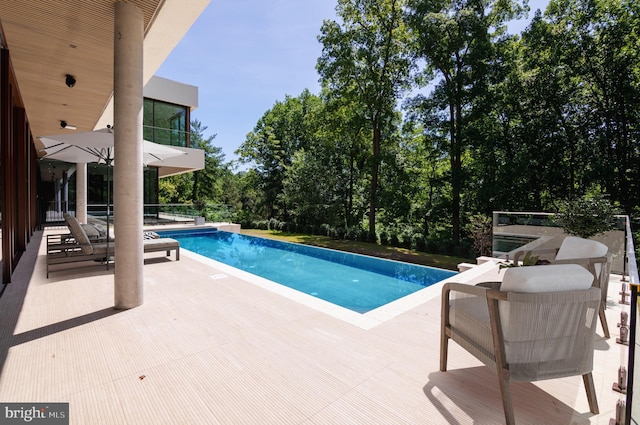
(245, 55)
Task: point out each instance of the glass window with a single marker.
(147, 120)
(165, 123)
(151, 209)
(97, 190)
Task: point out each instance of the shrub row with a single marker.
(405, 237)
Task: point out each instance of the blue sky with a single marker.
(245, 55)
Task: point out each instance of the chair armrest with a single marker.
(476, 290)
(472, 290)
(490, 285)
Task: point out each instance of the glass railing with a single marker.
(164, 136)
(632, 407)
(512, 230)
(52, 213)
(210, 211)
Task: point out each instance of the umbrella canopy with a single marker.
(98, 146)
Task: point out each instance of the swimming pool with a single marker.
(357, 282)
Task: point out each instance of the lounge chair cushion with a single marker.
(547, 278)
(90, 230)
(159, 244)
(79, 234)
(573, 247)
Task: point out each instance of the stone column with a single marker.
(127, 173)
(81, 192)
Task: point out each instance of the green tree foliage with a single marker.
(175, 189)
(201, 186)
(454, 37)
(207, 183)
(251, 197)
(344, 137)
(366, 59)
(600, 41)
(271, 146)
(587, 216)
(501, 122)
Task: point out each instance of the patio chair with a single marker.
(538, 324)
(590, 254)
(78, 246)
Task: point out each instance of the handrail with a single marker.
(632, 406)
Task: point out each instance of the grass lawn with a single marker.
(388, 252)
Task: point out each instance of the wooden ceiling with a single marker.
(48, 40)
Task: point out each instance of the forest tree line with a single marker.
(432, 113)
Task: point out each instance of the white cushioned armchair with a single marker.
(590, 254)
(539, 323)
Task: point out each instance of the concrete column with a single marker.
(127, 173)
(81, 192)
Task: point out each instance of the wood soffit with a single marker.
(48, 40)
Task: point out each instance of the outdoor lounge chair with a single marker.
(538, 324)
(590, 254)
(78, 247)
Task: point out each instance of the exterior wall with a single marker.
(18, 168)
(170, 91)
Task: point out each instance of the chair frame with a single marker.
(493, 296)
(601, 281)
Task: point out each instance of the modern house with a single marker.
(88, 64)
(166, 116)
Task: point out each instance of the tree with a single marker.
(600, 42)
(278, 135)
(207, 183)
(175, 189)
(454, 38)
(366, 60)
(201, 185)
(344, 138)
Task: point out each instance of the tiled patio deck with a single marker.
(210, 348)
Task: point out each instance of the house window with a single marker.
(97, 190)
(165, 123)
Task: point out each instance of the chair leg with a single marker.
(603, 321)
(503, 381)
(444, 350)
(591, 393)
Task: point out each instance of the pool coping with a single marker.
(366, 321)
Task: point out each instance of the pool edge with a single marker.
(366, 321)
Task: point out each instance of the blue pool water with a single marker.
(357, 282)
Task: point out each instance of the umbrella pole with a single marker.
(108, 162)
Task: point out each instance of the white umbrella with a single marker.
(98, 146)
